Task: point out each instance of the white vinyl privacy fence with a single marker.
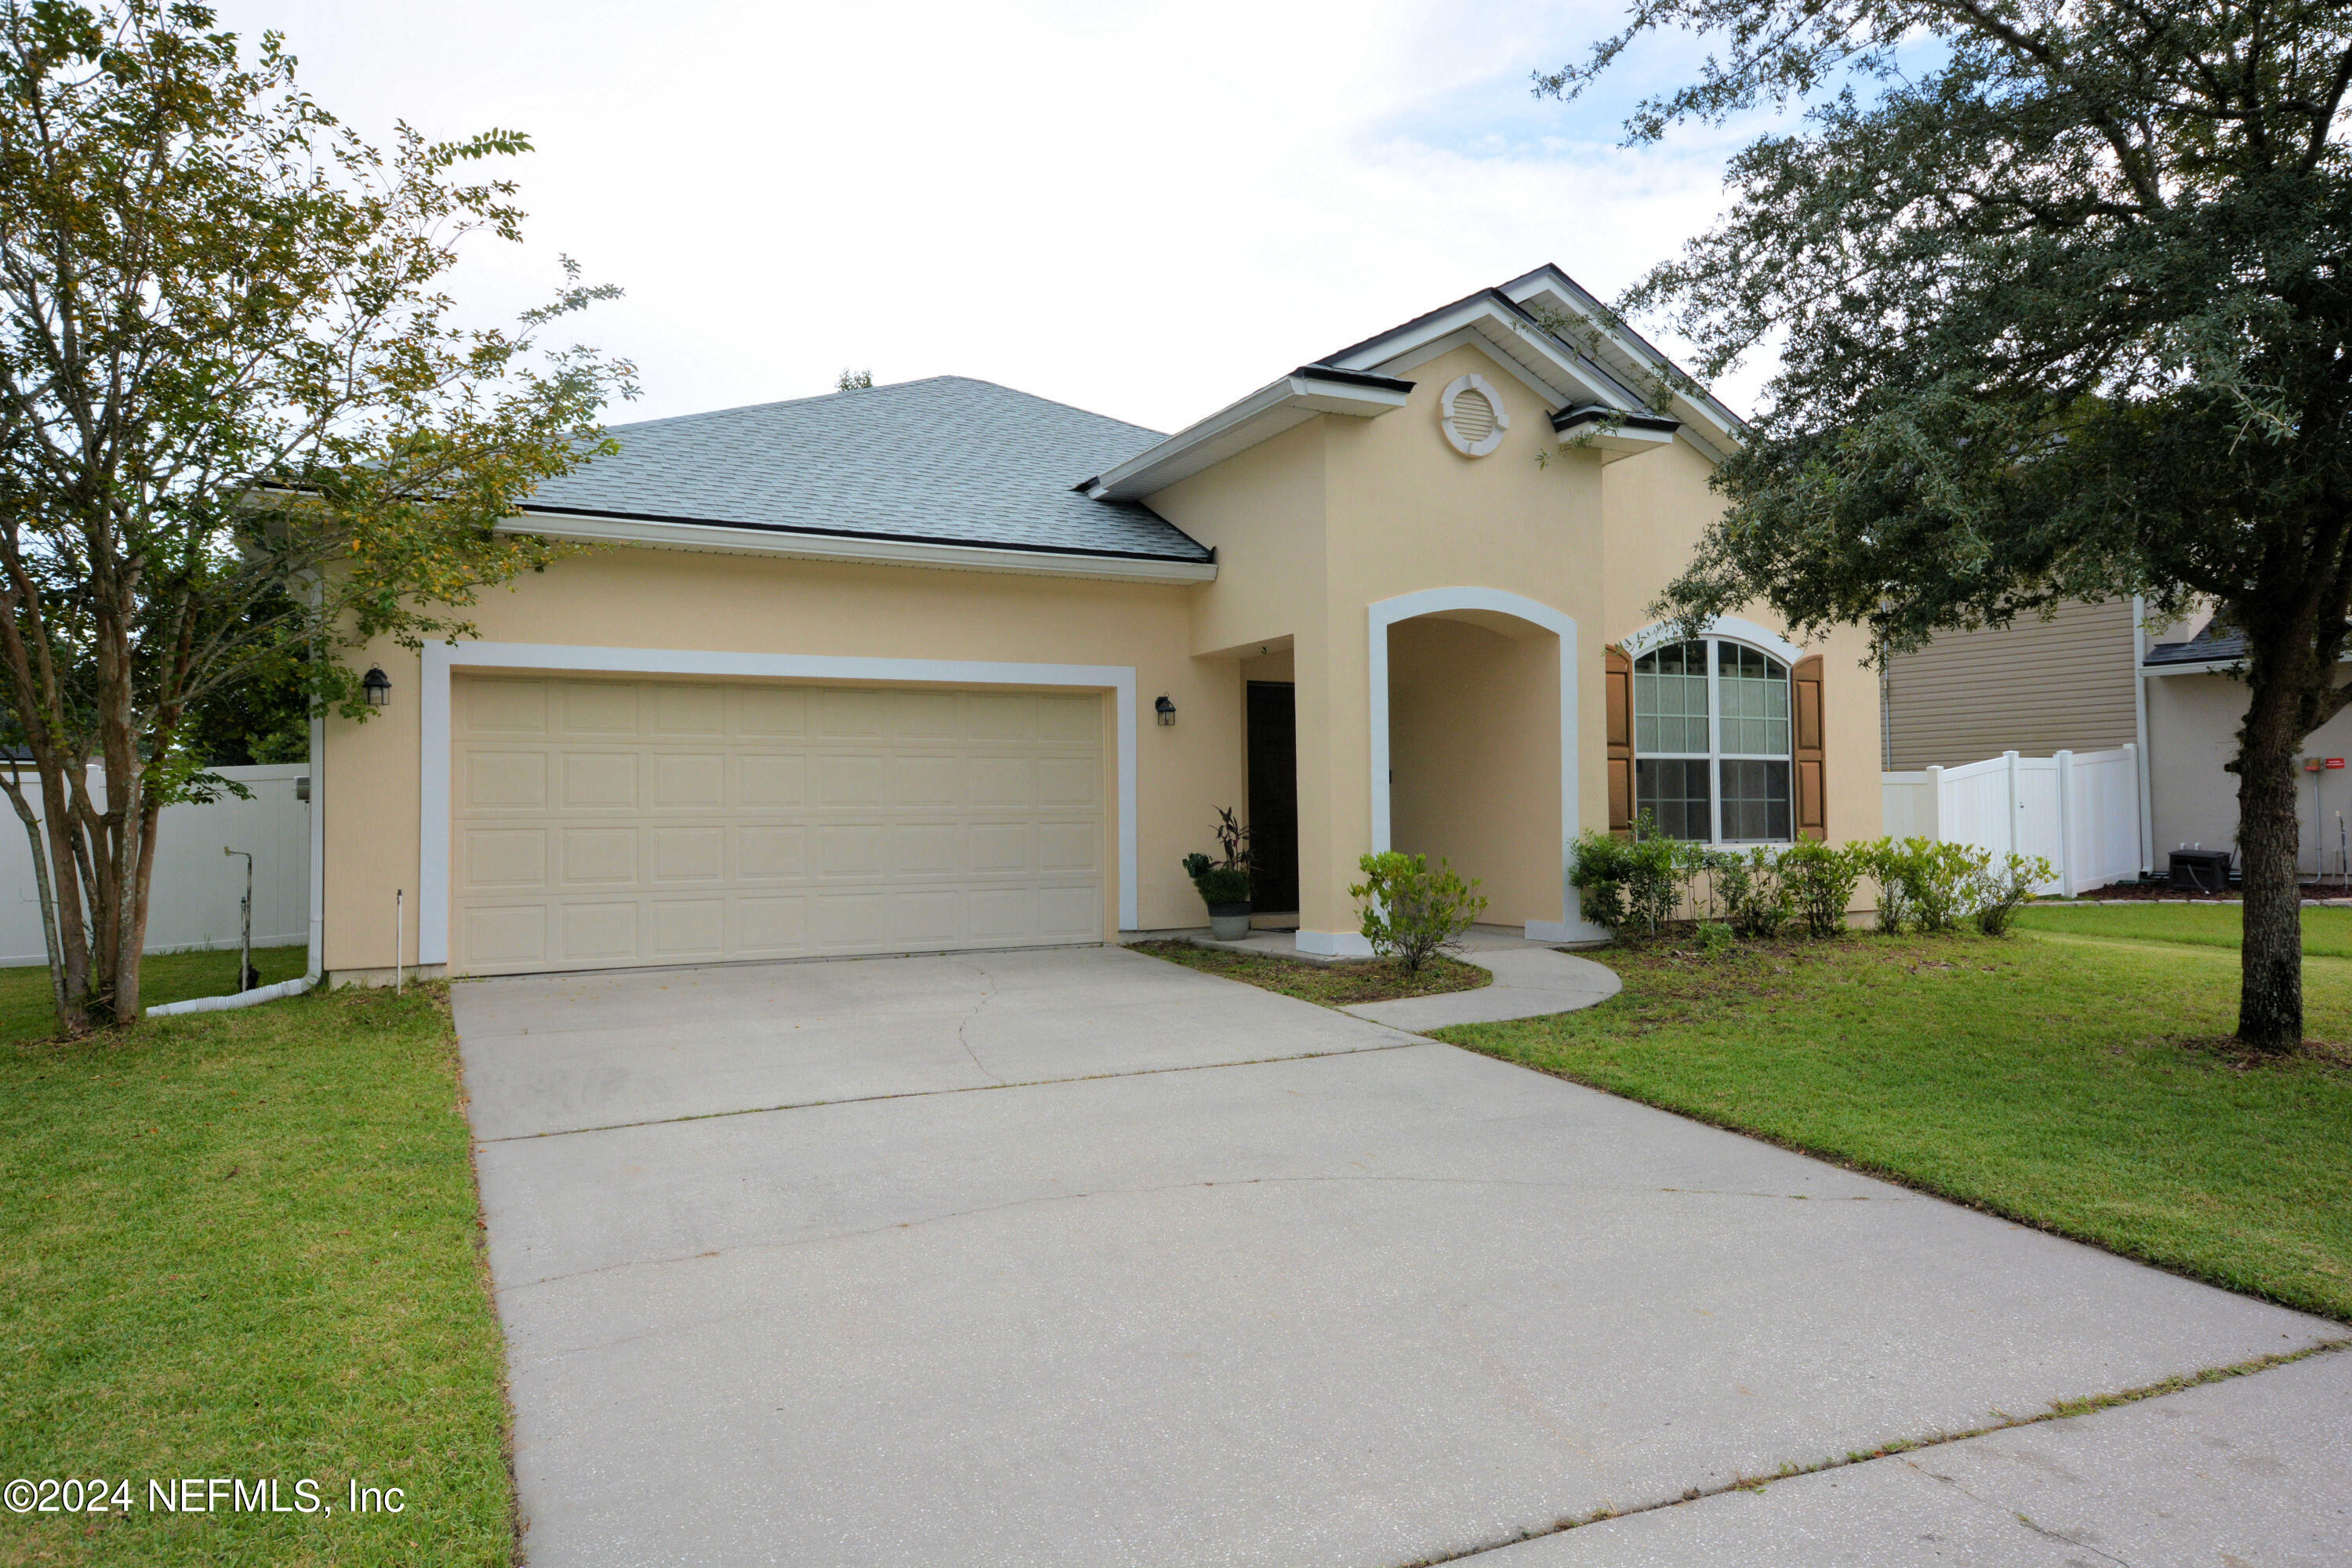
(2078, 810)
(196, 889)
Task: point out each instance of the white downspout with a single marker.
(2140, 756)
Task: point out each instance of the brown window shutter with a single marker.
(1620, 744)
(1812, 815)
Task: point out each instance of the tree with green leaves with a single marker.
(2059, 292)
(242, 431)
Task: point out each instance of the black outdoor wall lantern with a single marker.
(377, 685)
(1165, 708)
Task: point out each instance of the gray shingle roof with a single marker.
(944, 462)
(2214, 642)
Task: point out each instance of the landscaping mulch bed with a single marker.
(1331, 984)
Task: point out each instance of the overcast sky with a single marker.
(1144, 209)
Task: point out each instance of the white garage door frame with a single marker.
(442, 661)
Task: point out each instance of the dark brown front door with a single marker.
(1274, 795)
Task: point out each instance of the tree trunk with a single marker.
(2270, 997)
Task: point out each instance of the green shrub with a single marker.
(1412, 912)
(1998, 894)
(1821, 882)
(1750, 889)
(1599, 876)
(1716, 939)
(1888, 864)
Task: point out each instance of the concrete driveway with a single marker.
(1081, 1257)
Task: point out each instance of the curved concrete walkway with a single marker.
(1531, 979)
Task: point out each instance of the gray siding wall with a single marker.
(2037, 687)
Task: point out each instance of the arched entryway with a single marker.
(1474, 733)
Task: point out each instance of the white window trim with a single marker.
(1572, 926)
(1725, 628)
(442, 660)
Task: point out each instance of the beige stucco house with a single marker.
(942, 666)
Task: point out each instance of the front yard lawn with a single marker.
(1332, 984)
(245, 1246)
(27, 1014)
(2326, 934)
(2069, 1080)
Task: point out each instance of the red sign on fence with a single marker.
(2334, 762)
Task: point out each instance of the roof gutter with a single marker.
(756, 539)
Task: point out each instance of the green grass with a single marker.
(26, 1011)
(2066, 1079)
(1330, 984)
(246, 1245)
(2326, 934)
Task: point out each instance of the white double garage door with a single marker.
(606, 823)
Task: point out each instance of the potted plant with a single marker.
(1224, 884)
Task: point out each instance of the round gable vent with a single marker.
(1474, 416)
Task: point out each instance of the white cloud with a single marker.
(1145, 208)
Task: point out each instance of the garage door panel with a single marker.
(994, 783)
(684, 929)
(769, 853)
(926, 849)
(927, 716)
(689, 780)
(511, 708)
(1065, 848)
(1069, 720)
(920, 782)
(599, 857)
(771, 713)
(601, 932)
(998, 848)
(504, 858)
(607, 823)
(855, 780)
(852, 715)
(681, 713)
(1003, 717)
(1003, 915)
(509, 937)
(849, 850)
(589, 708)
(688, 855)
(600, 780)
(926, 917)
(772, 781)
(504, 781)
(844, 923)
(1069, 781)
(1070, 913)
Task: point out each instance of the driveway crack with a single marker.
(963, 1027)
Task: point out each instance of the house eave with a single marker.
(1265, 414)
(708, 538)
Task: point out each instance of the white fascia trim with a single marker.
(1708, 411)
(1572, 926)
(1551, 394)
(1572, 375)
(2205, 666)
(441, 660)
(718, 539)
(1660, 633)
(1261, 416)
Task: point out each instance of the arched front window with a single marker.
(1711, 737)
